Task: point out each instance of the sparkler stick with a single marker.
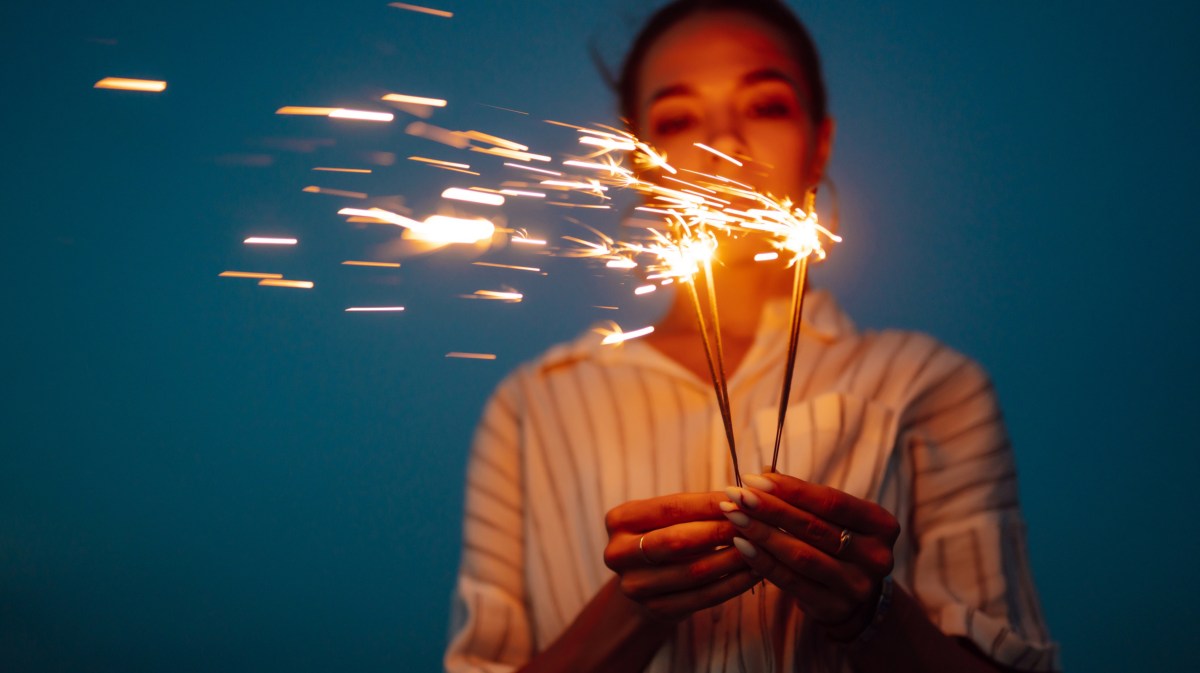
(722, 399)
(799, 286)
(719, 379)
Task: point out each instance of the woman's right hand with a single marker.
(674, 555)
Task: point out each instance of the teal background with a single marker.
(198, 474)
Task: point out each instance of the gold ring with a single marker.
(843, 542)
(642, 548)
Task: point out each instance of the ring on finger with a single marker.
(843, 542)
(642, 549)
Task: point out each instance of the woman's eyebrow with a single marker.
(669, 91)
(768, 75)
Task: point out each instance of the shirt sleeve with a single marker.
(971, 571)
(490, 629)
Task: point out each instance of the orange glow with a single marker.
(374, 309)
(126, 84)
(473, 197)
(260, 240)
(295, 284)
(414, 100)
(313, 189)
(250, 274)
(342, 170)
(471, 356)
(423, 10)
(384, 265)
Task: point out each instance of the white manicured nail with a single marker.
(745, 547)
(758, 481)
(739, 519)
(742, 497)
(727, 506)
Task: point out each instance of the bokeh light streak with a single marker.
(423, 10)
(294, 284)
(264, 240)
(128, 84)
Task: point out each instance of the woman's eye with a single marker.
(775, 108)
(670, 125)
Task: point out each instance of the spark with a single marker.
(295, 284)
(127, 84)
(328, 169)
(472, 196)
(305, 111)
(250, 274)
(471, 356)
(518, 192)
(443, 229)
(386, 265)
(313, 189)
(494, 140)
(623, 263)
(506, 109)
(567, 184)
(414, 100)
(608, 308)
(608, 144)
(440, 163)
(511, 154)
(362, 115)
(511, 297)
(766, 256)
(535, 170)
(616, 336)
(437, 134)
(645, 289)
(719, 153)
(507, 266)
(423, 10)
(527, 241)
(380, 215)
(260, 240)
(374, 309)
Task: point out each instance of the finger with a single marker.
(815, 599)
(686, 602)
(645, 515)
(826, 502)
(645, 583)
(806, 561)
(667, 546)
(871, 552)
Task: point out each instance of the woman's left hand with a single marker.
(827, 549)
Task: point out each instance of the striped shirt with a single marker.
(893, 417)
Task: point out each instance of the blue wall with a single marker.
(198, 474)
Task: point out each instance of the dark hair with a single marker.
(772, 12)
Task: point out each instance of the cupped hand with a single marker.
(673, 554)
(827, 549)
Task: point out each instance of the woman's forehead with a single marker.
(717, 49)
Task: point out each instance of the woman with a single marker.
(599, 533)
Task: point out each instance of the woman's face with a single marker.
(729, 80)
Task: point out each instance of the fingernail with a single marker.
(758, 481)
(739, 519)
(727, 506)
(742, 497)
(743, 545)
